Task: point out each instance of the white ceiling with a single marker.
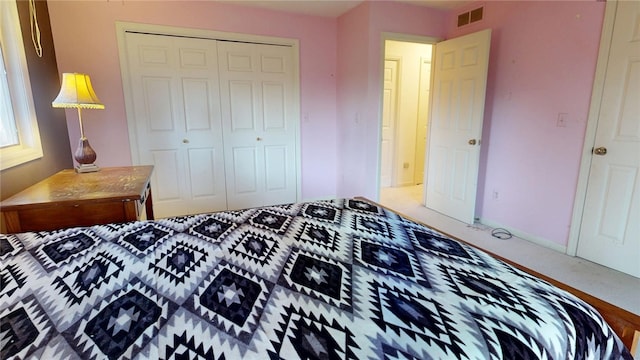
(335, 8)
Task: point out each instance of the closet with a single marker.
(216, 118)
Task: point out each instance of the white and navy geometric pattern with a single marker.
(178, 266)
(270, 220)
(231, 299)
(212, 228)
(258, 251)
(388, 259)
(76, 288)
(24, 328)
(122, 324)
(14, 279)
(339, 279)
(9, 246)
(322, 211)
(142, 239)
(322, 278)
(61, 250)
(320, 238)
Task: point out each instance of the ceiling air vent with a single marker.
(470, 16)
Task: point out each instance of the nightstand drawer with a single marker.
(58, 217)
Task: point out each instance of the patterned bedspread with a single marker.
(342, 279)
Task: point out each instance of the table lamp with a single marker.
(76, 92)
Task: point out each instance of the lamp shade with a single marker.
(76, 92)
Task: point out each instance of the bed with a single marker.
(335, 279)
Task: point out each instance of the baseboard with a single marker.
(321, 198)
(525, 236)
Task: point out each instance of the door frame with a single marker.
(592, 126)
(428, 100)
(381, 58)
(122, 27)
(394, 136)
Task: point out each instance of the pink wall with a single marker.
(359, 84)
(85, 41)
(543, 60)
(353, 50)
(542, 63)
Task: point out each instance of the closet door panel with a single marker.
(176, 125)
(256, 91)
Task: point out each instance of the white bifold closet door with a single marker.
(256, 98)
(214, 118)
(176, 106)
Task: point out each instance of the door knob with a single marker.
(472, 142)
(185, 141)
(258, 139)
(600, 151)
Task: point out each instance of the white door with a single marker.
(389, 113)
(610, 227)
(256, 91)
(174, 85)
(423, 111)
(460, 77)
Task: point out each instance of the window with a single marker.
(8, 131)
(19, 135)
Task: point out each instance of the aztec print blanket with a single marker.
(341, 279)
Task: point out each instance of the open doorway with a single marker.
(455, 108)
(405, 109)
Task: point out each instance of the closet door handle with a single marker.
(472, 142)
(258, 139)
(185, 141)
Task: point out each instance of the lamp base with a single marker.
(85, 156)
(87, 168)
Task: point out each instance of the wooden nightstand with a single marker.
(68, 199)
